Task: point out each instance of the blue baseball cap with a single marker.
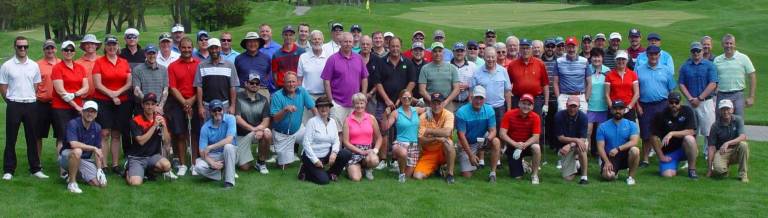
(654, 36)
(459, 46)
(652, 49)
(525, 42)
(550, 42)
(472, 43)
(150, 48)
(202, 33)
(215, 104)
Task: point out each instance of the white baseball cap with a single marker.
(621, 54)
(213, 41)
(67, 43)
(90, 105)
(725, 103)
(131, 31)
(177, 28)
(615, 35)
(390, 34)
(478, 91)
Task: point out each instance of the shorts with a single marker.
(430, 160)
(619, 162)
(705, 116)
(357, 158)
(649, 112)
(676, 156)
(137, 165)
(243, 149)
(597, 116)
(569, 163)
(283, 145)
(60, 119)
(44, 114)
(177, 119)
(340, 114)
(412, 152)
(113, 116)
(87, 169)
(466, 165)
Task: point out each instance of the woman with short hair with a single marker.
(362, 137)
(322, 147)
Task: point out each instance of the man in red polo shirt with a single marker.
(529, 76)
(180, 109)
(523, 140)
(287, 58)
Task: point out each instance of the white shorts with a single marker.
(283, 145)
(340, 114)
(466, 165)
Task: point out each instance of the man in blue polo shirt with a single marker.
(698, 82)
(654, 39)
(287, 109)
(80, 154)
(572, 136)
(495, 80)
(571, 77)
(656, 82)
(476, 130)
(217, 151)
(616, 141)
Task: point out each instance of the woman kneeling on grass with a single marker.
(406, 144)
(322, 147)
(362, 137)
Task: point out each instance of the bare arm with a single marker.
(556, 83)
(327, 86)
(424, 93)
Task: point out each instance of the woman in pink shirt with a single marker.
(361, 136)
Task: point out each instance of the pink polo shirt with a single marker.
(360, 133)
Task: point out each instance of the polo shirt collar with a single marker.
(151, 66)
(221, 61)
(569, 59)
(401, 60)
(322, 54)
(16, 60)
(466, 62)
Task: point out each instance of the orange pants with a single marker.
(432, 157)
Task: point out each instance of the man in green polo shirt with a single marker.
(441, 77)
(733, 67)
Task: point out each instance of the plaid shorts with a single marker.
(357, 158)
(412, 149)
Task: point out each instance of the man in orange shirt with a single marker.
(90, 45)
(437, 147)
(45, 93)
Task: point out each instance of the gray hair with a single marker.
(359, 97)
(537, 42)
(316, 32)
(728, 36)
(705, 38)
(513, 38)
(500, 45)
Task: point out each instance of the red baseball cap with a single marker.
(571, 41)
(527, 97)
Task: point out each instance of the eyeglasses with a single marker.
(68, 50)
(22, 47)
(472, 48)
(560, 45)
(226, 40)
(674, 102)
(406, 98)
(418, 38)
(217, 110)
(501, 52)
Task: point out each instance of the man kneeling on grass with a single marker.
(437, 147)
(572, 140)
(674, 137)
(217, 151)
(616, 144)
(150, 135)
(727, 143)
(83, 139)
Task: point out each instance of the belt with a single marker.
(730, 92)
(23, 100)
(655, 102)
(574, 93)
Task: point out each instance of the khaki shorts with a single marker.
(570, 163)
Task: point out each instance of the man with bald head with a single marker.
(513, 47)
(345, 74)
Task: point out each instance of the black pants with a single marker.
(17, 113)
(550, 137)
(318, 175)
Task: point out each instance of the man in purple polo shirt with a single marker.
(344, 75)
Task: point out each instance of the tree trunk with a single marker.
(84, 21)
(141, 24)
(47, 30)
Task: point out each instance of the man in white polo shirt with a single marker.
(18, 78)
(311, 65)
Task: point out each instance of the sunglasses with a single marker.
(338, 30)
(202, 39)
(472, 48)
(550, 46)
(131, 37)
(252, 83)
(406, 98)
(68, 50)
(501, 52)
(696, 51)
(561, 45)
(226, 40)
(493, 37)
(22, 47)
(418, 38)
(217, 110)
(674, 102)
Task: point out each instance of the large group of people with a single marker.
(360, 103)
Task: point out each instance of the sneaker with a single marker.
(170, 175)
(194, 172)
(492, 177)
(182, 170)
(499, 165)
(535, 180)
(333, 177)
(630, 181)
(7, 176)
(644, 164)
(237, 176)
(583, 180)
(449, 179)
(652, 153)
(369, 174)
(262, 168)
(559, 164)
(692, 174)
(72, 187)
(118, 170)
(394, 167)
(685, 166)
(40, 175)
(382, 165)
(480, 164)
(100, 177)
(64, 175)
(228, 186)
(744, 179)
(272, 159)
(401, 178)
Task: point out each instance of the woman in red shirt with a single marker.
(621, 84)
(70, 83)
(112, 78)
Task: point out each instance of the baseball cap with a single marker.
(150, 48)
(131, 31)
(439, 33)
(652, 49)
(355, 27)
(725, 103)
(48, 43)
(674, 96)
(559, 40)
(288, 28)
(337, 25)
(600, 36)
(550, 42)
(472, 43)
(177, 28)
(525, 42)
(654, 36)
(110, 39)
(213, 42)
(202, 33)
(92, 105)
(621, 54)
(66, 44)
(572, 100)
(165, 37)
(149, 97)
(615, 35)
(488, 31)
(618, 104)
(586, 37)
(527, 97)
(459, 46)
(418, 45)
(478, 91)
(571, 41)
(215, 104)
(437, 97)
(417, 32)
(437, 45)
(696, 45)
(252, 36)
(634, 32)
(389, 34)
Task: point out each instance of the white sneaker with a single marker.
(72, 187)
(272, 159)
(382, 165)
(401, 178)
(170, 175)
(7, 176)
(182, 170)
(559, 164)
(535, 180)
(630, 181)
(394, 166)
(369, 174)
(262, 168)
(685, 165)
(652, 153)
(194, 173)
(237, 176)
(40, 175)
(101, 177)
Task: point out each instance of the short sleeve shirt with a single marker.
(140, 126)
(474, 123)
(597, 97)
(395, 78)
(528, 78)
(572, 74)
(79, 133)
(73, 81)
(21, 79)
(570, 126)
(88, 65)
(309, 69)
(666, 122)
(113, 76)
(655, 83)
(45, 91)
(696, 77)
(210, 134)
(165, 62)
(722, 132)
(181, 76)
(621, 86)
(345, 75)
(284, 61)
(247, 64)
(152, 79)
(439, 77)
(732, 71)
(134, 59)
(216, 79)
(495, 83)
(616, 134)
(521, 128)
(445, 120)
(253, 111)
(291, 121)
